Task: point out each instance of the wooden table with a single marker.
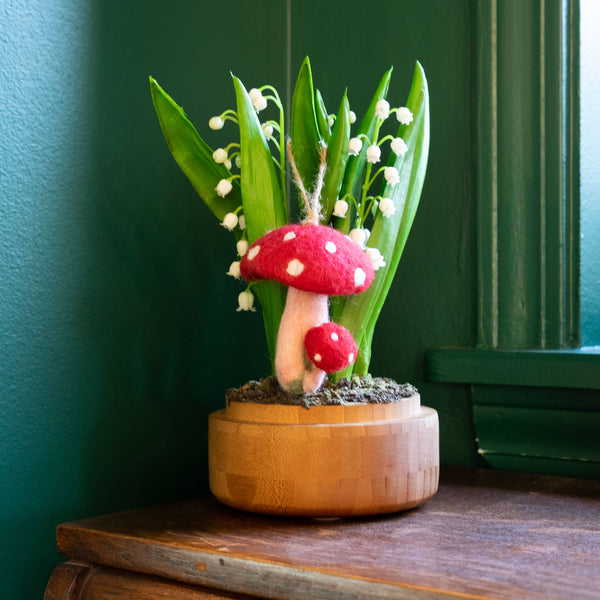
(484, 535)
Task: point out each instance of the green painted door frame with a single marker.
(534, 392)
(527, 174)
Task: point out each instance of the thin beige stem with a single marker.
(297, 178)
(312, 202)
(315, 199)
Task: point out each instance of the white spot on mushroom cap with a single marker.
(335, 337)
(253, 252)
(290, 235)
(295, 267)
(330, 247)
(351, 357)
(317, 358)
(359, 277)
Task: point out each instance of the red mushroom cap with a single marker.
(313, 258)
(330, 347)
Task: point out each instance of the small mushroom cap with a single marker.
(330, 347)
(313, 258)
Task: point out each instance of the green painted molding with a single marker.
(582, 469)
(534, 429)
(541, 433)
(577, 369)
(533, 410)
(527, 174)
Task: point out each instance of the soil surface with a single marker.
(363, 390)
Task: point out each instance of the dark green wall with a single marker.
(118, 333)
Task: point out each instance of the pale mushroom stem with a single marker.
(295, 372)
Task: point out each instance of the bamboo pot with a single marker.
(326, 461)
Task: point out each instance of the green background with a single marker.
(118, 329)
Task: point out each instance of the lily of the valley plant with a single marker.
(320, 283)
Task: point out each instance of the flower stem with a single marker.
(229, 115)
(368, 180)
(370, 183)
(371, 202)
(384, 139)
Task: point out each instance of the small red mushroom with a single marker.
(315, 261)
(330, 347)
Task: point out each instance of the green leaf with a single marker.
(264, 206)
(337, 157)
(193, 155)
(389, 235)
(304, 132)
(263, 202)
(356, 164)
(322, 117)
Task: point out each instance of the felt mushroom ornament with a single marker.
(315, 262)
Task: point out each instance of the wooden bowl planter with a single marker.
(325, 461)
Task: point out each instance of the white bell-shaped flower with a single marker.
(373, 154)
(267, 130)
(246, 301)
(220, 155)
(404, 115)
(382, 109)
(234, 269)
(223, 187)
(258, 100)
(398, 146)
(340, 208)
(354, 146)
(216, 123)
(230, 221)
(387, 207)
(359, 236)
(391, 175)
(376, 258)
